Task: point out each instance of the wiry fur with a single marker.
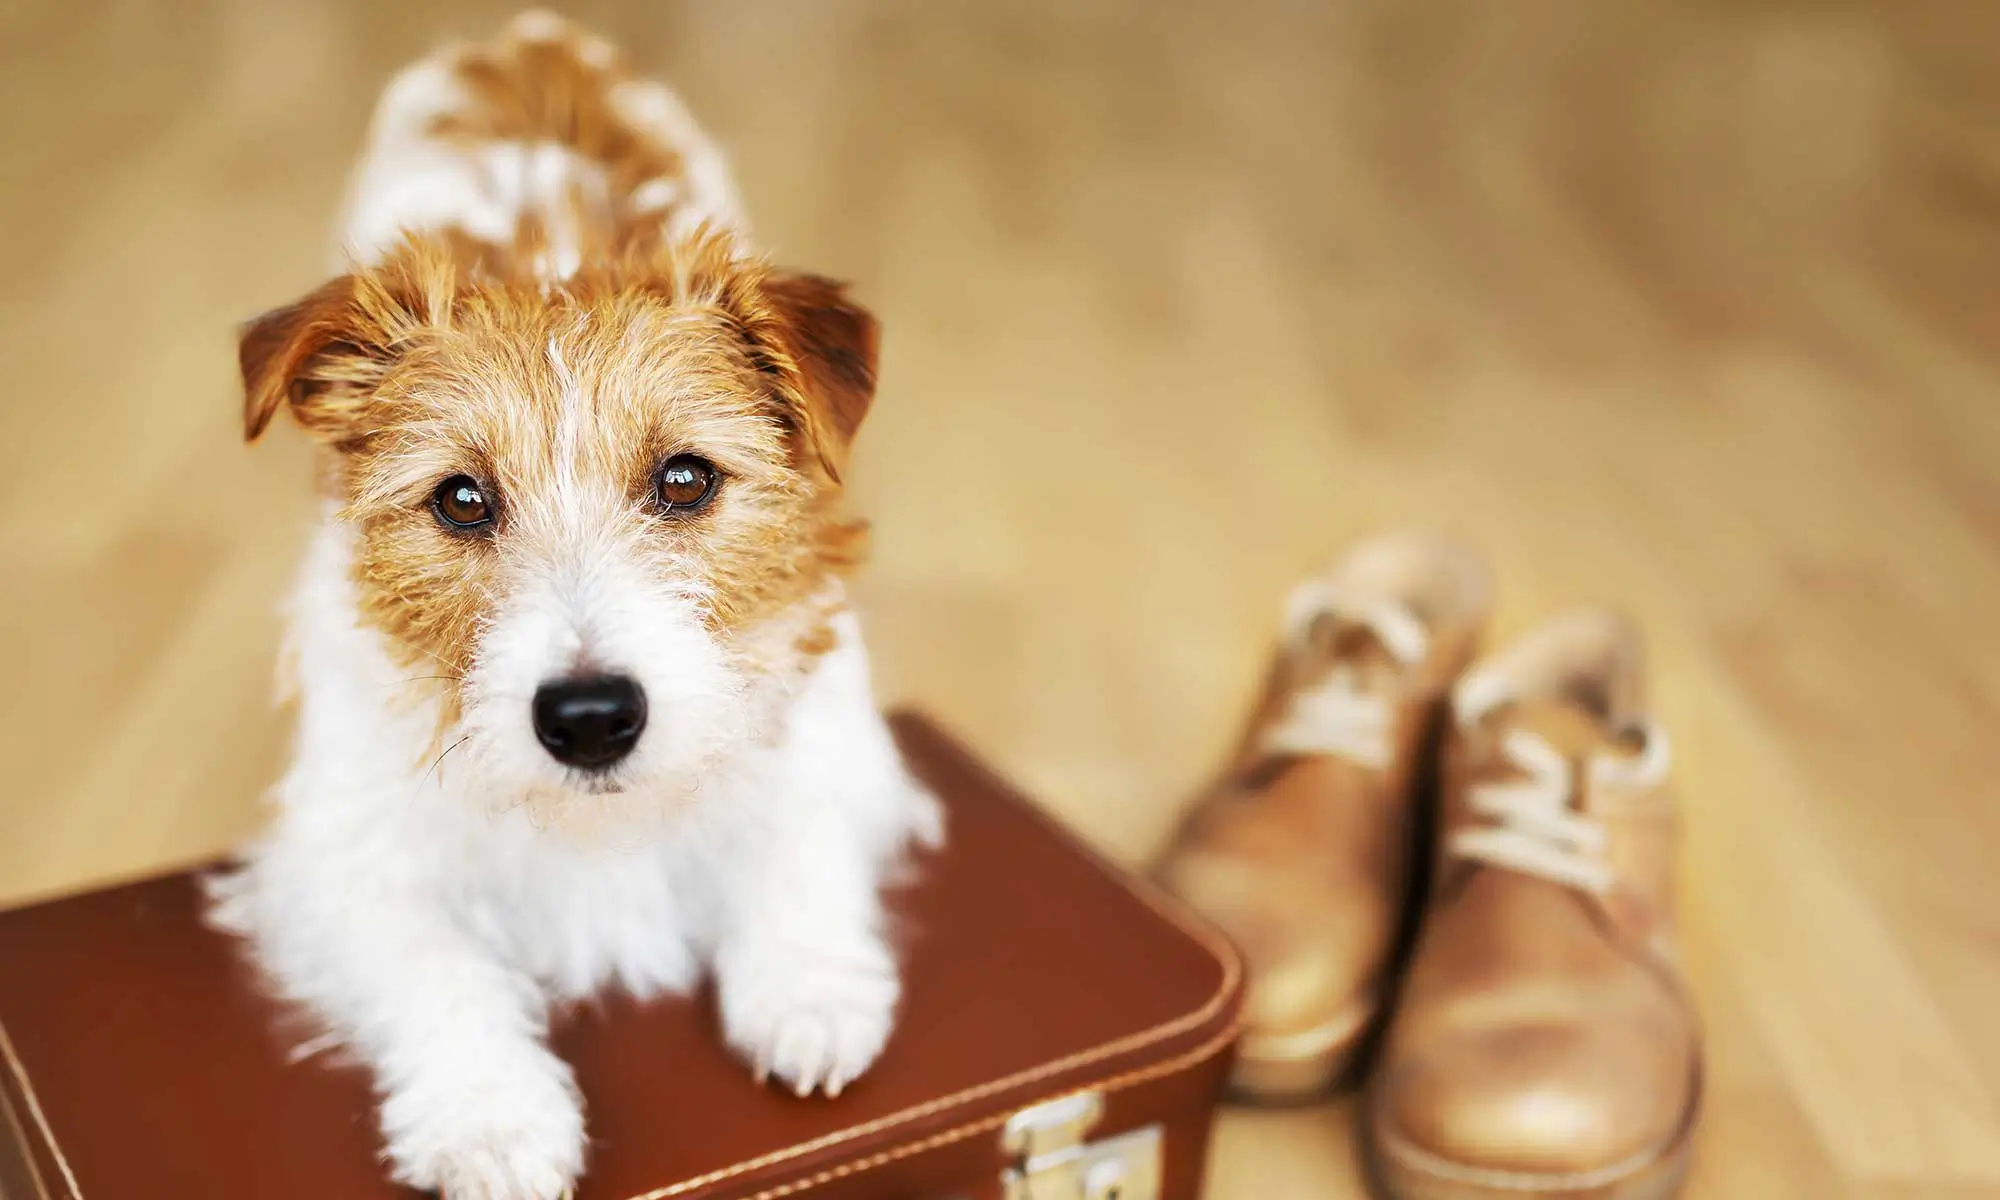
(550, 291)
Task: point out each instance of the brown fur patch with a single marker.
(545, 80)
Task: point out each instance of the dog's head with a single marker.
(598, 521)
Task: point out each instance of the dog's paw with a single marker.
(814, 1024)
(499, 1169)
(492, 1135)
(821, 1047)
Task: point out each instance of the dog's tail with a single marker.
(538, 138)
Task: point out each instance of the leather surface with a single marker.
(1544, 1033)
(1032, 969)
(1305, 857)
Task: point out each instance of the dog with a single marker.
(581, 702)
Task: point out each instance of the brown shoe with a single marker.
(1302, 851)
(1544, 1042)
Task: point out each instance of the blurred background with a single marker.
(1691, 307)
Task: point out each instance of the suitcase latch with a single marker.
(1052, 1161)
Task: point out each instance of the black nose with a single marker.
(590, 722)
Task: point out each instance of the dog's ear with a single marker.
(821, 346)
(279, 348)
(324, 355)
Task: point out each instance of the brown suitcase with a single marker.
(1065, 1034)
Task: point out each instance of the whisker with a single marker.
(429, 653)
(439, 759)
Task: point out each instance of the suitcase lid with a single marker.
(140, 1059)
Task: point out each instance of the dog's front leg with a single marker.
(805, 978)
(473, 1103)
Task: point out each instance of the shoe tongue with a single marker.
(1323, 617)
(1574, 728)
(1340, 646)
(1571, 729)
(1587, 660)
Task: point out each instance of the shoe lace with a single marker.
(1336, 716)
(1532, 826)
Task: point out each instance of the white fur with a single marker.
(706, 190)
(432, 919)
(430, 900)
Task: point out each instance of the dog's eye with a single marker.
(685, 483)
(460, 502)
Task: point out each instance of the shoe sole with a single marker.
(1286, 1081)
(1302, 1067)
(1389, 1179)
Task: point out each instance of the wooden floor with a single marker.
(1693, 307)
